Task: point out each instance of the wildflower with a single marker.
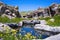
(26, 36)
(29, 34)
(13, 31)
(34, 37)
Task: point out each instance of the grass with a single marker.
(46, 18)
(56, 21)
(7, 20)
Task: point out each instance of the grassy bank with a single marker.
(56, 21)
(7, 20)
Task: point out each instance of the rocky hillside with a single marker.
(10, 11)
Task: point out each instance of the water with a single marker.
(27, 29)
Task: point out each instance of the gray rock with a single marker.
(1, 39)
(20, 23)
(47, 28)
(31, 22)
(42, 22)
(4, 27)
(9, 10)
(55, 37)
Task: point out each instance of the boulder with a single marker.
(47, 28)
(10, 17)
(33, 22)
(9, 10)
(4, 28)
(42, 22)
(20, 23)
(1, 39)
(55, 37)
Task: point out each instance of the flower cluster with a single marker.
(28, 36)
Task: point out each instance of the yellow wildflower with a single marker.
(34, 37)
(13, 31)
(28, 34)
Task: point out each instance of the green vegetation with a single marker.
(12, 35)
(56, 21)
(8, 34)
(28, 36)
(46, 18)
(7, 20)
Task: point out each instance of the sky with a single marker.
(28, 5)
